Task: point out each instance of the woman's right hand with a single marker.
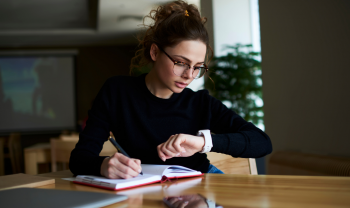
(120, 166)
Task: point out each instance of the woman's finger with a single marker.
(168, 152)
(161, 155)
(137, 161)
(128, 165)
(112, 171)
(169, 145)
(120, 174)
(177, 143)
(167, 148)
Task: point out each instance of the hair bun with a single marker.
(177, 8)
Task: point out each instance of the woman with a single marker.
(154, 117)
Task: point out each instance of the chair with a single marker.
(35, 156)
(232, 165)
(61, 149)
(16, 153)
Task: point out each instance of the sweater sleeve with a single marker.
(235, 136)
(85, 159)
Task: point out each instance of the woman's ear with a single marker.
(154, 51)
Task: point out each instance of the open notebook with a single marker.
(151, 174)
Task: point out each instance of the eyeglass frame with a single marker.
(189, 66)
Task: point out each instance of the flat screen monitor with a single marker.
(37, 93)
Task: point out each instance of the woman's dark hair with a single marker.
(172, 23)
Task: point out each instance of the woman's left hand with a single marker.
(180, 145)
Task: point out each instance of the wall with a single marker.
(305, 68)
(232, 24)
(207, 11)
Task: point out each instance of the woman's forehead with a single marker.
(193, 50)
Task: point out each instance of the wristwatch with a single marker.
(208, 143)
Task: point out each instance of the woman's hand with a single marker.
(180, 145)
(120, 166)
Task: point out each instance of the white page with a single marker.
(164, 170)
(178, 171)
(154, 169)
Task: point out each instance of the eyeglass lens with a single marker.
(180, 69)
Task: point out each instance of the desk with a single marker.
(235, 191)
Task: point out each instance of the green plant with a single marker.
(237, 80)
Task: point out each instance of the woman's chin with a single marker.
(177, 89)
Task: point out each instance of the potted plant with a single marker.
(236, 81)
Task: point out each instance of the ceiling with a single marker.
(28, 23)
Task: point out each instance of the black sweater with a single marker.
(140, 121)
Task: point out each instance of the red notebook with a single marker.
(151, 174)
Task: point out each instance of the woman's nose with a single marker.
(188, 73)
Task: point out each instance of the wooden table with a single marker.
(233, 190)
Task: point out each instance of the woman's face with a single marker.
(191, 52)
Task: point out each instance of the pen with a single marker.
(119, 148)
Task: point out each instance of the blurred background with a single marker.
(56, 55)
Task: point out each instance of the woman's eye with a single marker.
(180, 64)
(198, 67)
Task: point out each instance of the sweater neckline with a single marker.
(148, 93)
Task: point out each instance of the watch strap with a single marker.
(208, 143)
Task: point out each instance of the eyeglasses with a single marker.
(181, 67)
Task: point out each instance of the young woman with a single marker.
(154, 117)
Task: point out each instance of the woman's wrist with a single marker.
(201, 143)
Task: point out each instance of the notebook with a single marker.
(151, 174)
(36, 197)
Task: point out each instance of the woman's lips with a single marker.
(180, 84)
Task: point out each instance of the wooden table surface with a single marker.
(233, 190)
